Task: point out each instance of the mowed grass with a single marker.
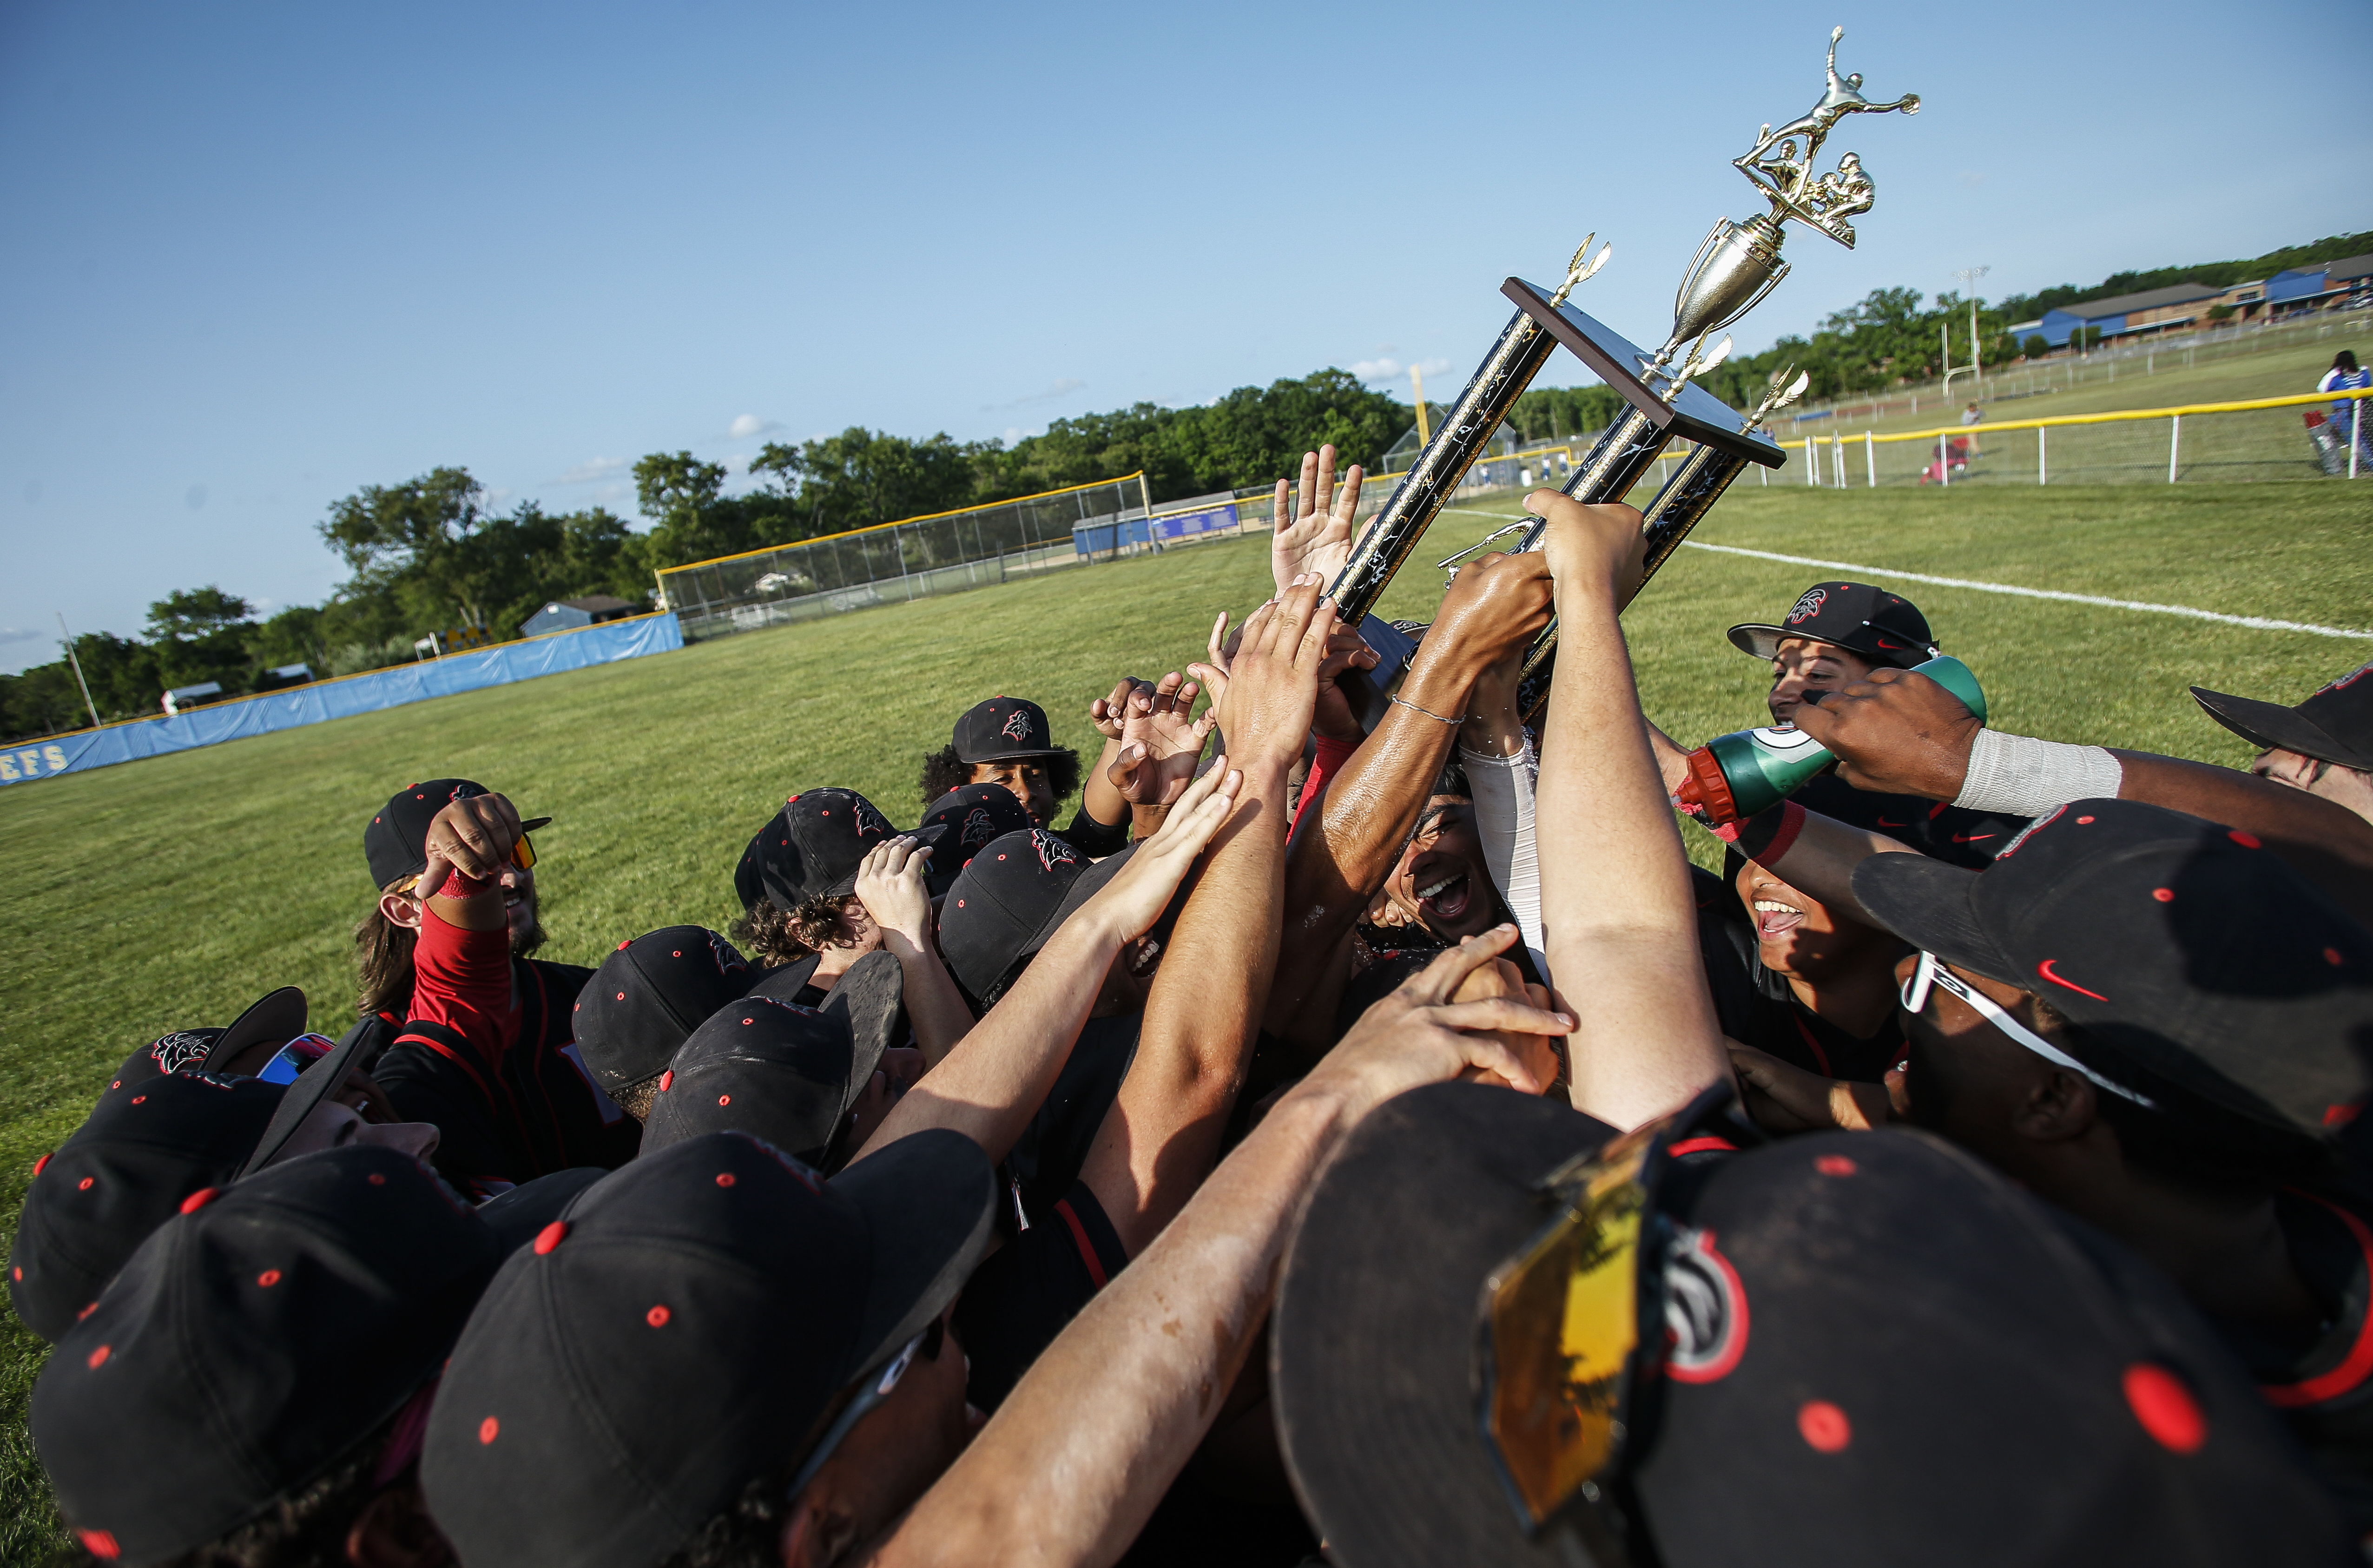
(168, 893)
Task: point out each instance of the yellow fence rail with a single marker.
(2245, 438)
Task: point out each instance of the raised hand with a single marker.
(1596, 543)
(1110, 713)
(890, 885)
(1418, 1035)
(1161, 741)
(1333, 717)
(1491, 612)
(1897, 732)
(1273, 683)
(472, 836)
(1313, 524)
(1133, 900)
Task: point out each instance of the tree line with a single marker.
(428, 554)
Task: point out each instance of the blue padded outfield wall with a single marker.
(325, 701)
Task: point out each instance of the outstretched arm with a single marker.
(1616, 913)
(1159, 1139)
(1348, 844)
(1899, 732)
(1072, 1464)
(996, 1078)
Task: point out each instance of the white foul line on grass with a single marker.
(2259, 623)
(2256, 622)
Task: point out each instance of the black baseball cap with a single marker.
(2175, 945)
(2334, 725)
(1003, 727)
(321, 1080)
(963, 822)
(1860, 1347)
(648, 996)
(815, 845)
(775, 1070)
(151, 1146)
(1007, 901)
(251, 1343)
(396, 842)
(1884, 628)
(274, 1019)
(870, 995)
(748, 885)
(678, 1334)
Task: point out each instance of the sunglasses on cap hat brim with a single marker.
(1559, 1352)
(523, 853)
(1932, 974)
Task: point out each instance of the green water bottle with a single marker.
(1733, 776)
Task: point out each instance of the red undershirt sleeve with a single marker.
(1331, 757)
(463, 980)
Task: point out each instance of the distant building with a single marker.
(281, 675)
(180, 699)
(2178, 307)
(2326, 283)
(568, 614)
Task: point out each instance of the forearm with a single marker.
(1503, 787)
(1101, 799)
(1815, 853)
(1163, 1133)
(1072, 1464)
(935, 1008)
(1618, 920)
(997, 1076)
(1339, 858)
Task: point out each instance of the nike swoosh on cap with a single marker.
(1971, 837)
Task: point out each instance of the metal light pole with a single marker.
(68, 636)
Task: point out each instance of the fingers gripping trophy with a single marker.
(1735, 267)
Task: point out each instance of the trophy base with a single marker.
(1695, 416)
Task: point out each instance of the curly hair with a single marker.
(783, 936)
(944, 771)
(307, 1527)
(383, 956)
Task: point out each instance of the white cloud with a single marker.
(744, 426)
(1390, 369)
(594, 469)
(1063, 388)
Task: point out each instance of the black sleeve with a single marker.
(427, 1086)
(1726, 946)
(1019, 1299)
(1048, 1156)
(1093, 839)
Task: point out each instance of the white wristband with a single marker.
(2025, 776)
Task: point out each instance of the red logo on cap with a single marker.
(1705, 1310)
(1016, 725)
(2044, 969)
(1809, 607)
(1052, 851)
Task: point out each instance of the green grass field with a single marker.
(168, 893)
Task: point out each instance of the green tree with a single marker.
(201, 634)
(861, 477)
(410, 544)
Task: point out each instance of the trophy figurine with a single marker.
(1737, 265)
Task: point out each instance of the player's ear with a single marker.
(2059, 1105)
(400, 910)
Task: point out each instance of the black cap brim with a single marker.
(532, 823)
(1090, 881)
(1933, 906)
(927, 1200)
(315, 1084)
(1008, 757)
(2271, 725)
(1754, 640)
(275, 1019)
(1371, 1347)
(867, 998)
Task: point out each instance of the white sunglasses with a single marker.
(1932, 972)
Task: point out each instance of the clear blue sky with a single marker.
(261, 256)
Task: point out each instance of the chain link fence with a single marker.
(893, 562)
(2307, 437)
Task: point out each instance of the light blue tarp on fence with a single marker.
(604, 644)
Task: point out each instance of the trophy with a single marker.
(1735, 266)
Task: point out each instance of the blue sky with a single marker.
(259, 256)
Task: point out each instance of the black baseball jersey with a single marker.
(1019, 1299)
